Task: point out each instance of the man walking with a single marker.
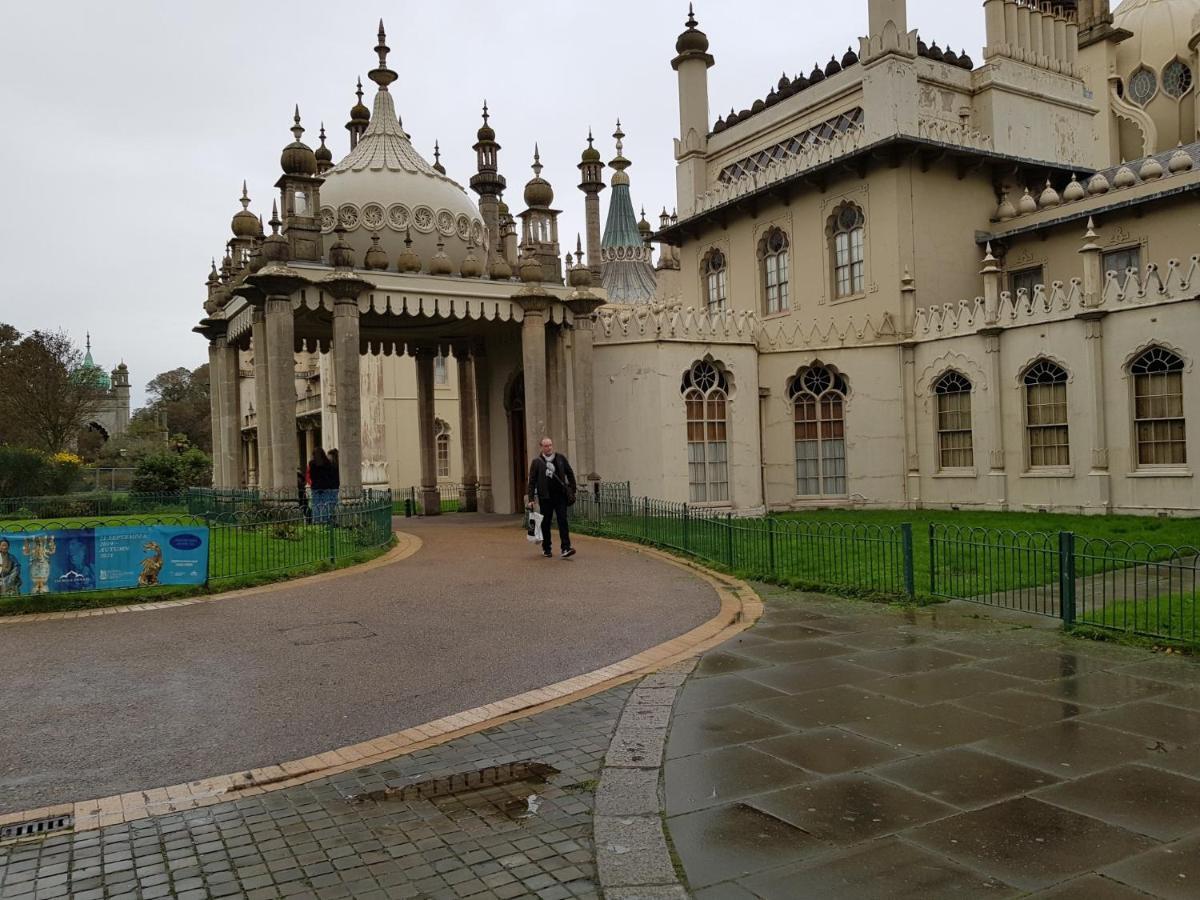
(552, 485)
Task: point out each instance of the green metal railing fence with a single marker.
(99, 503)
(860, 557)
(251, 534)
(1139, 588)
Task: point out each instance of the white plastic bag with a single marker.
(533, 527)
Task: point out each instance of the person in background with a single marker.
(552, 485)
(303, 477)
(324, 486)
(337, 472)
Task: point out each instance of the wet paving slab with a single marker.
(929, 753)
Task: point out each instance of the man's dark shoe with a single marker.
(548, 554)
(568, 553)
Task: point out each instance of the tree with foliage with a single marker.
(183, 396)
(167, 473)
(48, 396)
(31, 473)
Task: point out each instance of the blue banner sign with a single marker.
(102, 558)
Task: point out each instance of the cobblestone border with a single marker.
(406, 545)
(740, 607)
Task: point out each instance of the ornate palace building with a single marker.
(905, 277)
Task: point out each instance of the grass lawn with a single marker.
(239, 556)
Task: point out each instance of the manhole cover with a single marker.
(36, 827)
(327, 633)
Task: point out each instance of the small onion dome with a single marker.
(323, 154)
(376, 256)
(732, 118)
(408, 261)
(499, 270)
(757, 106)
(1125, 178)
(922, 48)
(1151, 170)
(965, 61)
(1049, 196)
(538, 191)
(850, 58)
(502, 208)
(1180, 161)
(785, 87)
(693, 40)
(486, 132)
(590, 153)
(799, 83)
(719, 125)
(1074, 191)
(244, 223)
(530, 267)
(297, 157)
(816, 75)
(121, 367)
(935, 52)
(1006, 210)
(1098, 185)
(772, 97)
(644, 227)
(440, 264)
(950, 57)
(274, 248)
(341, 254)
(1027, 204)
(578, 275)
(359, 114)
(471, 266)
(832, 67)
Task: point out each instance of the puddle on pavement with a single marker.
(459, 783)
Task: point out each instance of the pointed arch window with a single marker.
(1143, 85)
(1158, 420)
(715, 280)
(847, 246)
(956, 448)
(818, 396)
(1177, 78)
(706, 401)
(1047, 435)
(773, 260)
(441, 432)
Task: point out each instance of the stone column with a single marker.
(310, 440)
(533, 355)
(431, 499)
(483, 424)
(912, 453)
(997, 474)
(466, 424)
(262, 402)
(281, 372)
(1098, 476)
(231, 415)
(556, 425)
(214, 405)
(251, 460)
(585, 418)
(346, 361)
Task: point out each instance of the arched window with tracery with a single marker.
(818, 396)
(847, 246)
(706, 399)
(773, 263)
(716, 280)
(1047, 435)
(1158, 420)
(441, 433)
(956, 448)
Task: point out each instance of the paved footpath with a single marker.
(843, 750)
(103, 705)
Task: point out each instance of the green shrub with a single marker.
(169, 473)
(31, 473)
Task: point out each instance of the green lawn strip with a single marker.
(44, 603)
(1170, 617)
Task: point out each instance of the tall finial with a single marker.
(590, 138)
(359, 90)
(245, 201)
(537, 162)
(297, 128)
(274, 222)
(485, 112)
(691, 19)
(89, 341)
(437, 159)
(382, 75)
(578, 250)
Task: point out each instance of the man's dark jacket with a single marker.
(540, 486)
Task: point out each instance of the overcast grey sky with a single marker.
(129, 126)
